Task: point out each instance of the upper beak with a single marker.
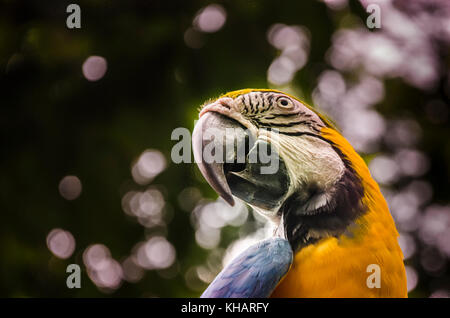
(230, 172)
(210, 130)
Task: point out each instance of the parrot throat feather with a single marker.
(345, 206)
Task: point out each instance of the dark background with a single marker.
(56, 123)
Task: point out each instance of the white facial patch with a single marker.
(310, 161)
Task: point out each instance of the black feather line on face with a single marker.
(290, 124)
(257, 104)
(269, 99)
(333, 219)
(283, 115)
(252, 110)
(306, 133)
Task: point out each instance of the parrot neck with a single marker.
(343, 204)
(376, 209)
(337, 266)
(355, 199)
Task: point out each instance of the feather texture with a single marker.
(255, 273)
(337, 266)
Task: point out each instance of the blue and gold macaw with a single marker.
(332, 222)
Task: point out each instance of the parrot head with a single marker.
(284, 159)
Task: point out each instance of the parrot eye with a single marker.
(285, 103)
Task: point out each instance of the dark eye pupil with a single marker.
(284, 102)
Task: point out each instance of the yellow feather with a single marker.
(336, 267)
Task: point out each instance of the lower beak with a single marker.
(228, 156)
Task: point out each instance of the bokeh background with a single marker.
(87, 116)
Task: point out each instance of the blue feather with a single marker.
(255, 273)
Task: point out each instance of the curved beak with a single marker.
(229, 157)
(209, 134)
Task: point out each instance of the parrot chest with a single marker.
(341, 269)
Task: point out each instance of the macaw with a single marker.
(334, 235)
